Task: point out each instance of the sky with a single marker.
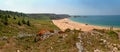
(73, 7)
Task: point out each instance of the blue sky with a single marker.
(74, 7)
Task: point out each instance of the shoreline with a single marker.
(96, 24)
(65, 23)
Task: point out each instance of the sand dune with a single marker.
(66, 23)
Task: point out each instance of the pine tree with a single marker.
(14, 18)
(8, 16)
(23, 21)
(5, 20)
(19, 23)
(28, 23)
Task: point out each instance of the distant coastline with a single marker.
(94, 24)
(104, 21)
(61, 23)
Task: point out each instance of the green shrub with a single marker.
(23, 21)
(8, 16)
(67, 30)
(14, 18)
(28, 23)
(100, 30)
(72, 39)
(77, 30)
(5, 20)
(113, 34)
(19, 23)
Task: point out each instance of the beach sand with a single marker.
(65, 23)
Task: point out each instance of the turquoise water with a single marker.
(107, 21)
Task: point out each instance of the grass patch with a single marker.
(113, 34)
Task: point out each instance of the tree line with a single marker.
(5, 15)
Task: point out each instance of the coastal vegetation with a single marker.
(37, 33)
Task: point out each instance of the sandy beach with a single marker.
(66, 23)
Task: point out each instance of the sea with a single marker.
(103, 20)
